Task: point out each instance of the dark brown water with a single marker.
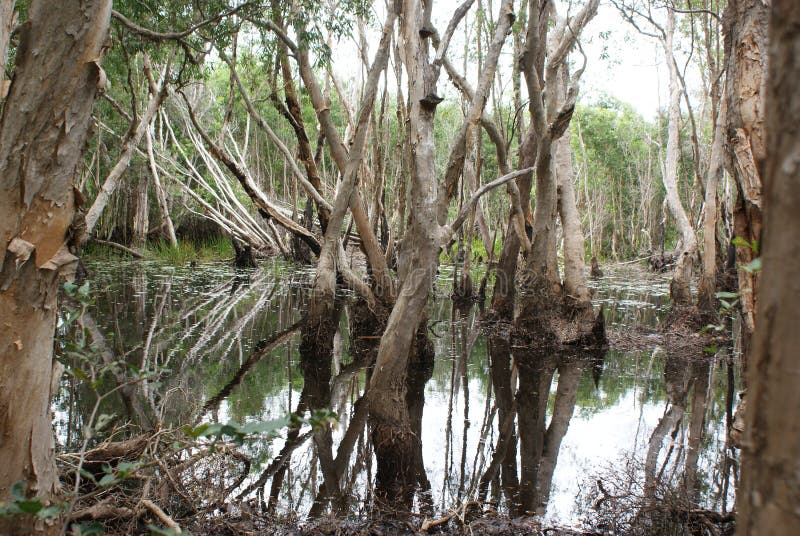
(622, 415)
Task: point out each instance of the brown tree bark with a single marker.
(768, 496)
(541, 313)
(745, 26)
(43, 130)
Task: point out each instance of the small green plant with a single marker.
(260, 429)
(727, 305)
(753, 266)
(22, 505)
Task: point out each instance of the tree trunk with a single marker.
(745, 24)
(140, 214)
(160, 193)
(706, 298)
(771, 459)
(392, 437)
(129, 145)
(575, 290)
(541, 315)
(679, 288)
(47, 113)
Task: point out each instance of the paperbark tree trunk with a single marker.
(745, 25)
(767, 499)
(576, 293)
(129, 145)
(392, 437)
(541, 315)
(140, 215)
(43, 130)
(679, 288)
(160, 193)
(706, 298)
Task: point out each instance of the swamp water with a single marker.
(625, 421)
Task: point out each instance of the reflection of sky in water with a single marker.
(218, 318)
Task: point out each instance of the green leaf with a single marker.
(753, 266)
(739, 241)
(264, 427)
(30, 507)
(86, 474)
(92, 529)
(730, 295)
(107, 480)
(49, 512)
(83, 291)
(711, 350)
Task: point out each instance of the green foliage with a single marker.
(21, 504)
(728, 302)
(258, 429)
(617, 161)
(216, 249)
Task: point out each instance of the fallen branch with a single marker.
(161, 515)
(133, 253)
(102, 510)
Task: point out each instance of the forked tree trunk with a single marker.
(576, 293)
(324, 287)
(392, 437)
(42, 135)
(541, 315)
(767, 499)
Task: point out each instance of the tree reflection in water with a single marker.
(488, 420)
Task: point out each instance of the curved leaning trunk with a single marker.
(47, 113)
(679, 287)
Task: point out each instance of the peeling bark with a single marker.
(768, 496)
(43, 130)
(745, 27)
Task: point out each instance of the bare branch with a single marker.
(459, 14)
(174, 36)
(449, 230)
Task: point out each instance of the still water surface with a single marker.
(625, 412)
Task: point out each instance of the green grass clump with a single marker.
(215, 249)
